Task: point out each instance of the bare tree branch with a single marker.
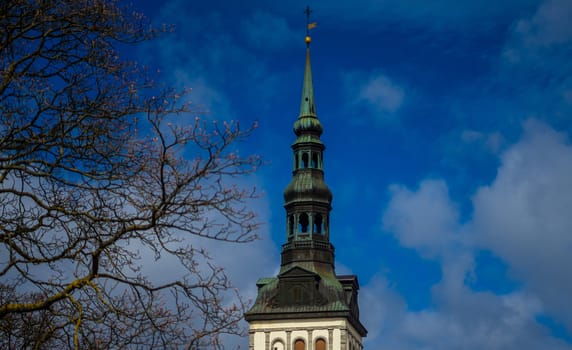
(103, 175)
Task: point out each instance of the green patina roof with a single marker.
(307, 106)
(308, 186)
(330, 288)
(308, 124)
(264, 280)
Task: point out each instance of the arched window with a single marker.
(290, 225)
(318, 223)
(303, 223)
(315, 160)
(296, 160)
(320, 344)
(304, 160)
(299, 345)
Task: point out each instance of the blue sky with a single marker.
(448, 127)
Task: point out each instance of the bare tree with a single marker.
(101, 175)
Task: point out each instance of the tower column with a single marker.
(344, 339)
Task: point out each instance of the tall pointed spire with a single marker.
(307, 127)
(308, 107)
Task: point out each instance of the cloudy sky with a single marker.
(448, 127)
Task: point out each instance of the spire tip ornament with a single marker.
(309, 26)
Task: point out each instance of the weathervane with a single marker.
(309, 25)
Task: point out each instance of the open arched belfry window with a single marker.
(318, 223)
(320, 344)
(305, 160)
(303, 223)
(299, 345)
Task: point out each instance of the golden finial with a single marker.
(309, 25)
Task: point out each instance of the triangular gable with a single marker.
(297, 271)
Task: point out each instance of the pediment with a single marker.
(298, 287)
(297, 272)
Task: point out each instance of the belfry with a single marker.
(307, 306)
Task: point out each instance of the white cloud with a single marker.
(459, 319)
(382, 309)
(524, 215)
(550, 25)
(547, 28)
(425, 220)
(382, 94)
(376, 93)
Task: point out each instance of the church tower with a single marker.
(307, 306)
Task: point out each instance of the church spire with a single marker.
(307, 199)
(307, 107)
